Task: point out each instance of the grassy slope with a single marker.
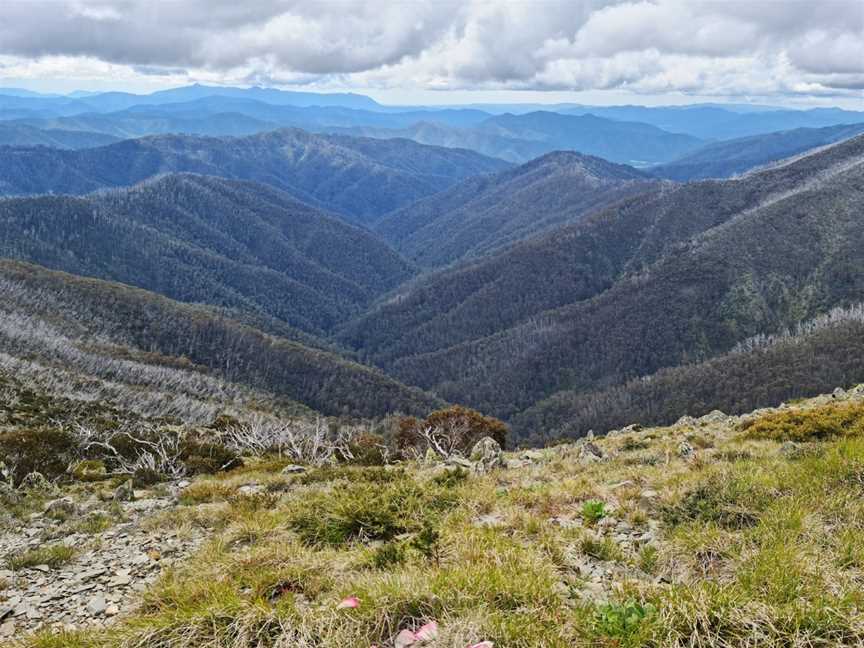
(743, 544)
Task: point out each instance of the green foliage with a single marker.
(388, 555)
(593, 511)
(600, 548)
(732, 500)
(46, 450)
(622, 620)
(451, 477)
(812, 424)
(368, 511)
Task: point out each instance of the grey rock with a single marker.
(487, 454)
(686, 451)
(590, 453)
(36, 481)
(61, 507)
(96, 605)
(124, 492)
(292, 469)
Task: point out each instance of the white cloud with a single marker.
(731, 47)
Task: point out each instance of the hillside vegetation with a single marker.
(483, 214)
(356, 177)
(90, 327)
(719, 532)
(235, 245)
(671, 277)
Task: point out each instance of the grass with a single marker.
(749, 547)
(53, 556)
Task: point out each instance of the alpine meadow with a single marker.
(396, 324)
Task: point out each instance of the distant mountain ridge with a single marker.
(359, 178)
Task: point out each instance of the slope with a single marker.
(95, 326)
(20, 135)
(732, 157)
(671, 277)
(485, 213)
(358, 178)
(236, 245)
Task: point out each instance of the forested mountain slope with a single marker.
(19, 135)
(358, 178)
(671, 277)
(237, 245)
(485, 213)
(100, 331)
(732, 157)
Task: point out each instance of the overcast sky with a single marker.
(649, 51)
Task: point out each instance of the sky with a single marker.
(651, 52)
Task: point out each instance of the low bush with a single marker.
(816, 424)
(45, 450)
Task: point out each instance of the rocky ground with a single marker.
(108, 570)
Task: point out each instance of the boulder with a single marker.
(293, 469)
(686, 451)
(487, 454)
(125, 492)
(63, 507)
(590, 453)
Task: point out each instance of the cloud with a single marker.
(687, 46)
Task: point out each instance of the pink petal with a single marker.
(482, 644)
(350, 602)
(428, 632)
(404, 639)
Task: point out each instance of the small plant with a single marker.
(622, 621)
(53, 556)
(252, 502)
(601, 549)
(388, 555)
(593, 511)
(648, 559)
(426, 542)
(93, 524)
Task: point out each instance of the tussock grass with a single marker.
(53, 556)
(751, 548)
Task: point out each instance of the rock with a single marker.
(686, 451)
(715, 416)
(63, 507)
(685, 421)
(462, 462)
(590, 453)
(112, 610)
(486, 453)
(36, 481)
(5, 611)
(839, 393)
(96, 605)
(533, 455)
(513, 464)
(491, 520)
(404, 639)
(250, 489)
(7, 629)
(124, 492)
(292, 469)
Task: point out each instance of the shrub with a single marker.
(388, 555)
(367, 449)
(205, 458)
(451, 478)
(453, 430)
(45, 450)
(816, 424)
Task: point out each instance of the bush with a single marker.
(457, 428)
(816, 424)
(45, 450)
(368, 449)
(205, 458)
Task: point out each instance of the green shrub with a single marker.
(45, 450)
(206, 458)
(388, 555)
(816, 424)
(451, 478)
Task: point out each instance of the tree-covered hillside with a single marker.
(358, 178)
(236, 245)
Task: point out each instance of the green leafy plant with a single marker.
(622, 620)
(593, 511)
